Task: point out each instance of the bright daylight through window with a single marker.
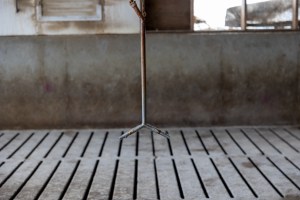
(227, 14)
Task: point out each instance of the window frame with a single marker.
(41, 18)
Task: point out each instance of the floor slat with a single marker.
(195, 163)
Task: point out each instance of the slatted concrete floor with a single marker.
(196, 163)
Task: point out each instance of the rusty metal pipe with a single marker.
(143, 71)
(137, 10)
(142, 15)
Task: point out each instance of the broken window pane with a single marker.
(212, 14)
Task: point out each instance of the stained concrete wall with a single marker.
(194, 79)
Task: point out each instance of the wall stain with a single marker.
(25, 4)
(92, 91)
(57, 26)
(67, 87)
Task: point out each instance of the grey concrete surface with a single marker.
(196, 163)
(193, 80)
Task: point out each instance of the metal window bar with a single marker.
(295, 23)
(244, 15)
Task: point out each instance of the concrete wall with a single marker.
(194, 79)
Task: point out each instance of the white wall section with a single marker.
(19, 17)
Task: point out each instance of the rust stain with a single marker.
(69, 132)
(89, 25)
(25, 4)
(292, 197)
(57, 26)
(247, 165)
(211, 181)
(80, 26)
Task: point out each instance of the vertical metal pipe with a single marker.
(244, 15)
(142, 15)
(295, 23)
(192, 15)
(17, 6)
(143, 70)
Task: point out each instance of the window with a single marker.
(246, 14)
(69, 10)
(211, 14)
(274, 14)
